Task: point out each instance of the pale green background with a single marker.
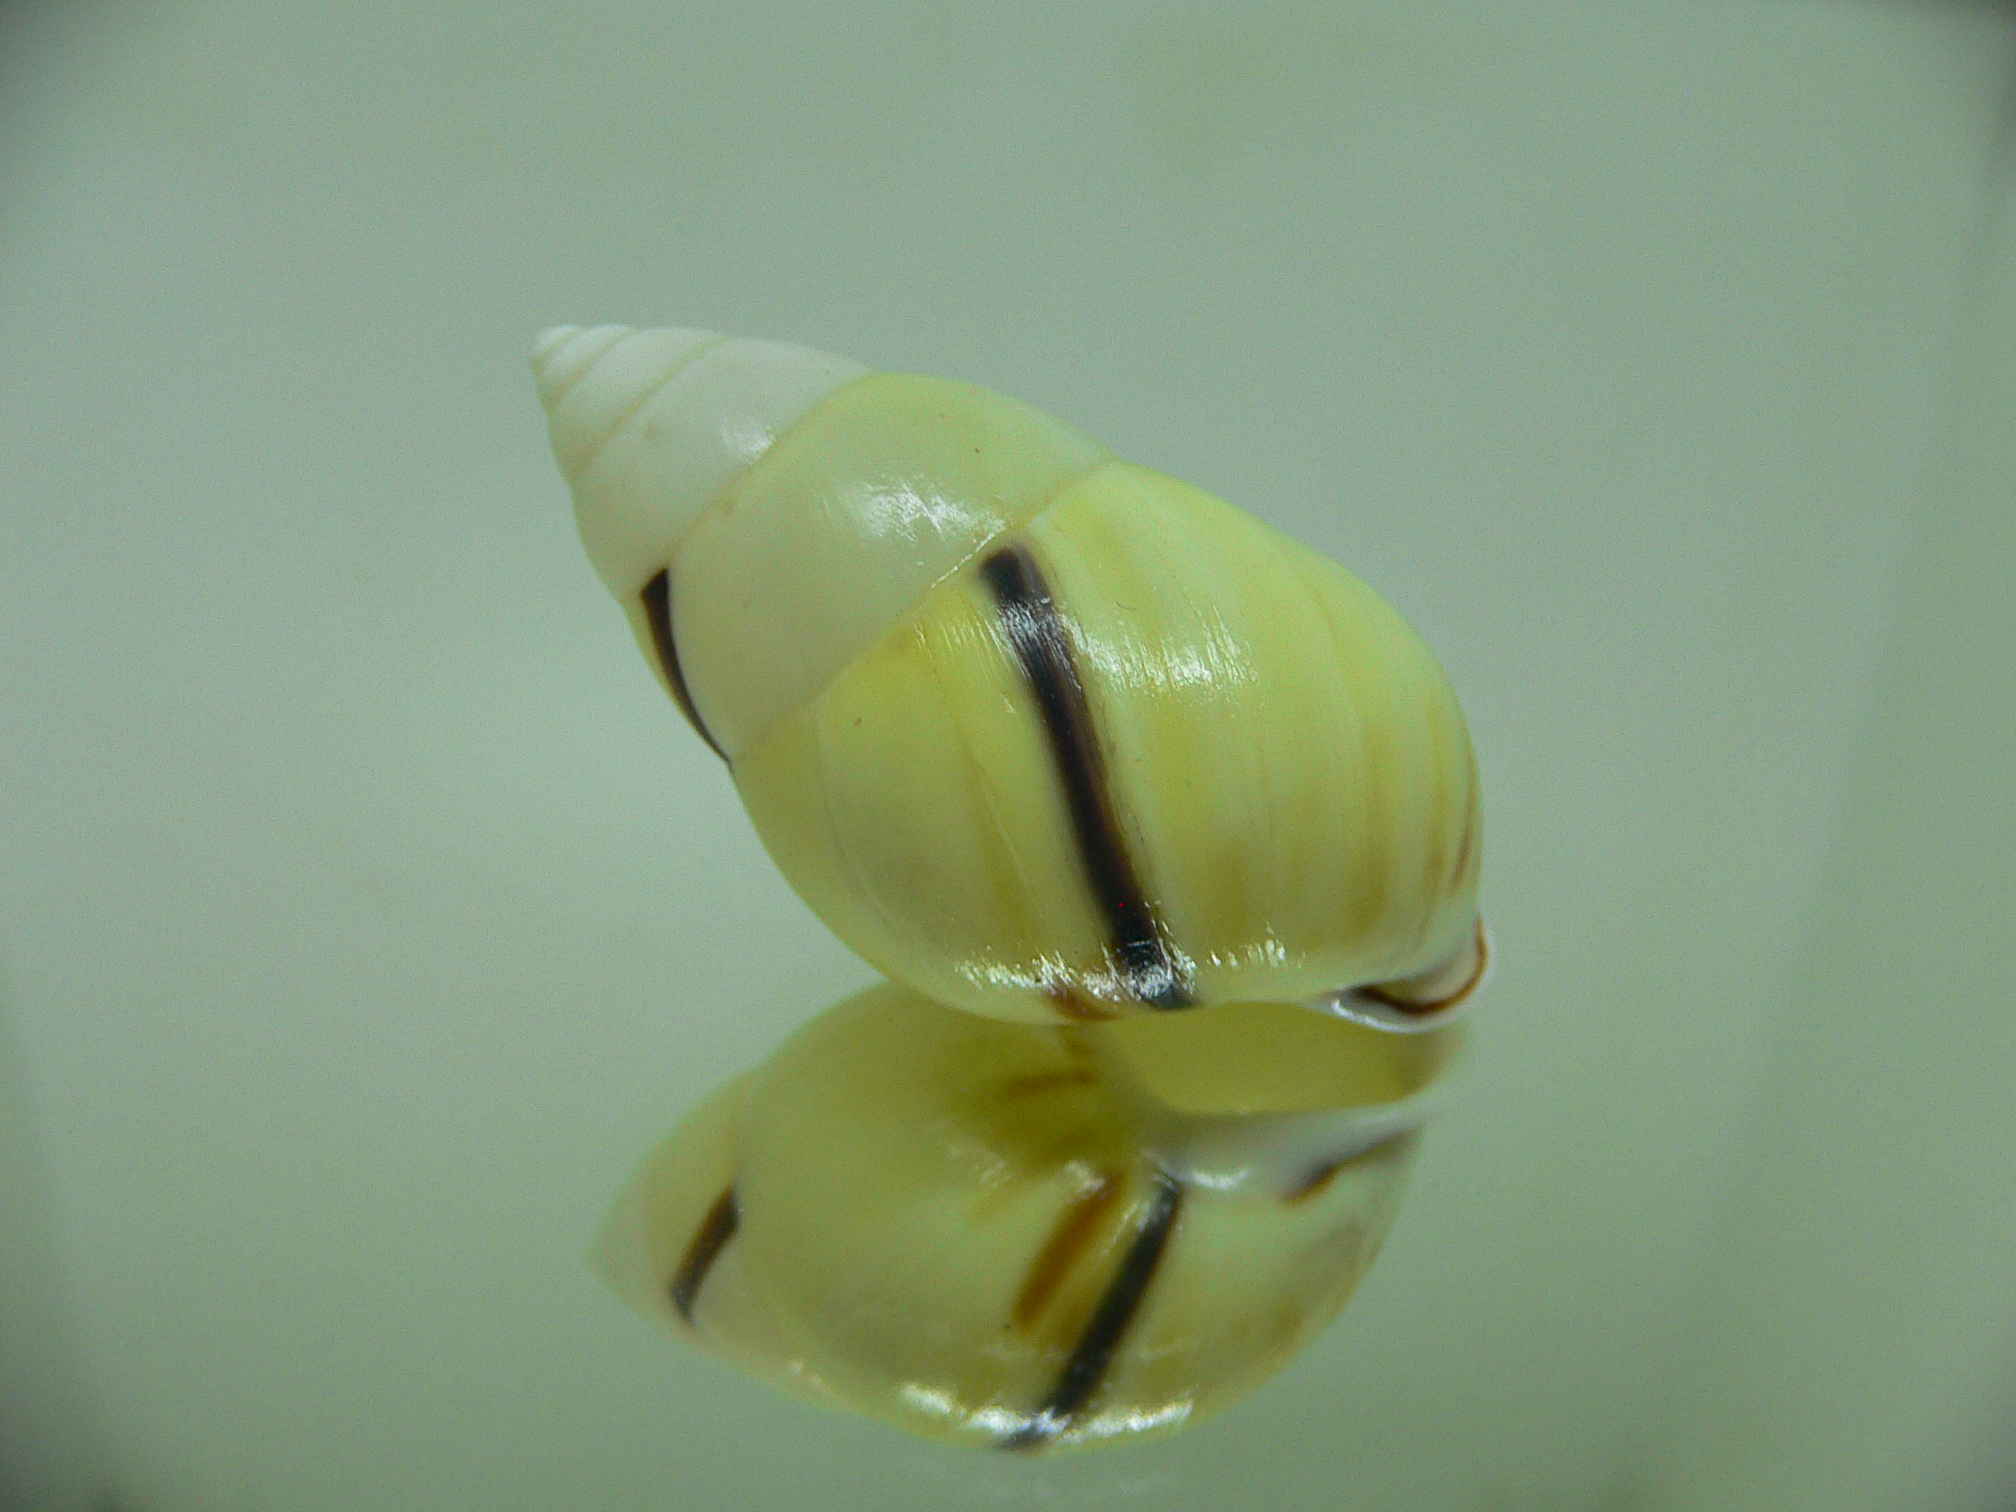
(365, 911)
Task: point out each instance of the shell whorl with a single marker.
(1045, 736)
(752, 571)
(1025, 1237)
(1041, 733)
(650, 426)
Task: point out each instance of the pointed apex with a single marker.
(649, 426)
(548, 344)
(548, 340)
(591, 380)
(559, 358)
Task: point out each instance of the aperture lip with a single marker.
(1391, 1007)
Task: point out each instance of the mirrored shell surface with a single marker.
(1045, 735)
(1023, 1236)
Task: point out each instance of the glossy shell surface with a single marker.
(1044, 735)
(1028, 1237)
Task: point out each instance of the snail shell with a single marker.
(1042, 734)
(1028, 1236)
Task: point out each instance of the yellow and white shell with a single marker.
(1040, 733)
(1028, 1236)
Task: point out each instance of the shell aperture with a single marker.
(1044, 735)
(1024, 1236)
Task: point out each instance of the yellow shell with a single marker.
(1039, 733)
(1026, 1236)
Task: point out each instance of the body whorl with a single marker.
(1044, 734)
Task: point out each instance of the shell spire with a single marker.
(650, 426)
(749, 587)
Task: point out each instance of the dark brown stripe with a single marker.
(1076, 1006)
(1048, 1081)
(1076, 1228)
(657, 597)
(715, 1230)
(1316, 1180)
(1423, 1008)
(1094, 1352)
(1037, 635)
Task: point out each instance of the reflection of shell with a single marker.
(1039, 733)
(1026, 1236)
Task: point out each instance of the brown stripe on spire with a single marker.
(1037, 635)
(657, 599)
(1093, 1354)
(715, 1230)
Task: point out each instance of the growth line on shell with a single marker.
(715, 1230)
(1036, 633)
(1093, 1354)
